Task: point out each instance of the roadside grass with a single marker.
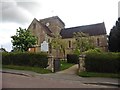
(27, 68)
(94, 74)
(64, 65)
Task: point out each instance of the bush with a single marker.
(72, 58)
(25, 59)
(95, 50)
(106, 62)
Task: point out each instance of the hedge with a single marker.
(72, 58)
(106, 62)
(25, 59)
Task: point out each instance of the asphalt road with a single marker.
(20, 81)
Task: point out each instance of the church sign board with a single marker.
(44, 46)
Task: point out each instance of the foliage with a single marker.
(72, 58)
(114, 38)
(83, 42)
(56, 41)
(58, 44)
(3, 50)
(23, 40)
(25, 59)
(63, 48)
(102, 62)
(95, 50)
(28, 68)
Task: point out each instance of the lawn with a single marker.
(64, 65)
(27, 68)
(94, 74)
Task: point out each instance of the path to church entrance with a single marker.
(71, 70)
(68, 74)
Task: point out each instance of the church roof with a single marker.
(47, 31)
(53, 17)
(92, 30)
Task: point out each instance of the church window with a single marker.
(98, 42)
(69, 44)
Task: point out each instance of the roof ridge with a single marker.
(49, 17)
(46, 30)
(85, 25)
(92, 30)
(53, 17)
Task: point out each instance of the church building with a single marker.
(45, 29)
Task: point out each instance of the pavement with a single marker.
(68, 74)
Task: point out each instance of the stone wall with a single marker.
(38, 31)
(102, 43)
(53, 23)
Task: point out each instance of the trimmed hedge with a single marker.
(106, 62)
(25, 59)
(72, 58)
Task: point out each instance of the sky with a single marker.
(20, 13)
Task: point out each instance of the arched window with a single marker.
(69, 44)
(98, 42)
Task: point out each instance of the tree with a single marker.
(83, 42)
(63, 48)
(59, 45)
(56, 44)
(23, 40)
(3, 50)
(114, 38)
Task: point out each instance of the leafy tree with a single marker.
(83, 42)
(23, 40)
(3, 50)
(114, 37)
(59, 45)
(56, 44)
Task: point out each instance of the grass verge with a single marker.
(64, 65)
(27, 68)
(94, 74)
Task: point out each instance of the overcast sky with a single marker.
(20, 13)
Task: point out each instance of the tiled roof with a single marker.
(92, 30)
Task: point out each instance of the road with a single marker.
(42, 81)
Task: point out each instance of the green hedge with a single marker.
(25, 59)
(72, 58)
(106, 62)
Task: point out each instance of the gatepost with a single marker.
(81, 64)
(50, 63)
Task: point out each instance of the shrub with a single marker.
(95, 50)
(25, 59)
(102, 62)
(72, 58)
